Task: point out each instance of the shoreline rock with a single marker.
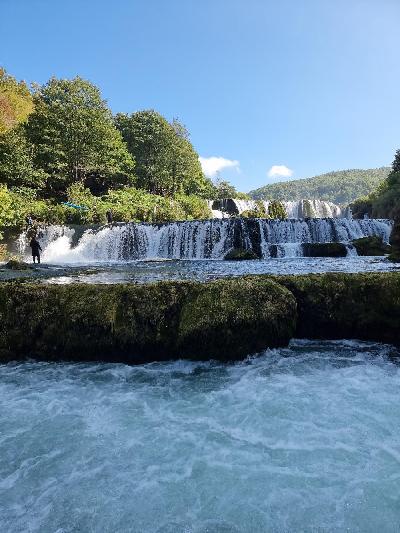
(326, 249)
(225, 319)
(240, 254)
(371, 246)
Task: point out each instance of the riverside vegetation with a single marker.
(60, 142)
(233, 317)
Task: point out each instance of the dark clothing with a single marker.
(109, 217)
(34, 244)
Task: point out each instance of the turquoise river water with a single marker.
(302, 439)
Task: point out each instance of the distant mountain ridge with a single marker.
(341, 187)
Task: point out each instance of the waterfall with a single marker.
(226, 208)
(200, 239)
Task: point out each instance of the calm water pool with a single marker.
(203, 270)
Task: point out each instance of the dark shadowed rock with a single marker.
(239, 254)
(371, 246)
(395, 242)
(13, 264)
(327, 249)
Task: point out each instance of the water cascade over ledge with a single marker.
(229, 207)
(200, 239)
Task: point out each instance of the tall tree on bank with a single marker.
(16, 101)
(383, 202)
(16, 161)
(75, 138)
(386, 200)
(166, 162)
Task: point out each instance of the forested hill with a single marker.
(341, 187)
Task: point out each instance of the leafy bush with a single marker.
(128, 204)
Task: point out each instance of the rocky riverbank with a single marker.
(224, 319)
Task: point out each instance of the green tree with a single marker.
(259, 211)
(276, 210)
(15, 101)
(75, 138)
(16, 161)
(396, 162)
(384, 201)
(224, 189)
(187, 174)
(166, 162)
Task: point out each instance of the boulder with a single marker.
(226, 319)
(347, 306)
(240, 254)
(371, 246)
(14, 264)
(326, 249)
(395, 242)
(229, 319)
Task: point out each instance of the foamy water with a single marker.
(199, 239)
(300, 439)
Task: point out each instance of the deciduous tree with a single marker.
(15, 101)
(75, 138)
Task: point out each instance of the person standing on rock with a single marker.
(109, 216)
(36, 249)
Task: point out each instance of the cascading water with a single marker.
(226, 208)
(201, 239)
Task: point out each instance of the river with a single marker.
(304, 438)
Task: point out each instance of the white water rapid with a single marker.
(300, 439)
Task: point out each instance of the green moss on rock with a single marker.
(395, 236)
(352, 306)
(371, 246)
(140, 323)
(225, 319)
(134, 323)
(228, 319)
(14, 264)
(240, 254)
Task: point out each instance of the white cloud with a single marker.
(212, 165)
(280, 171)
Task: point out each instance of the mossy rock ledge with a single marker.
(224, 319)
(347, 306)
(371, 246)
(231, 318)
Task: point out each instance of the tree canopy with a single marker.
(16, 161)
(384, 201)
(166, 162)
(15, 101)
(75, 138)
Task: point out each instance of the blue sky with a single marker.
(305, 85)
